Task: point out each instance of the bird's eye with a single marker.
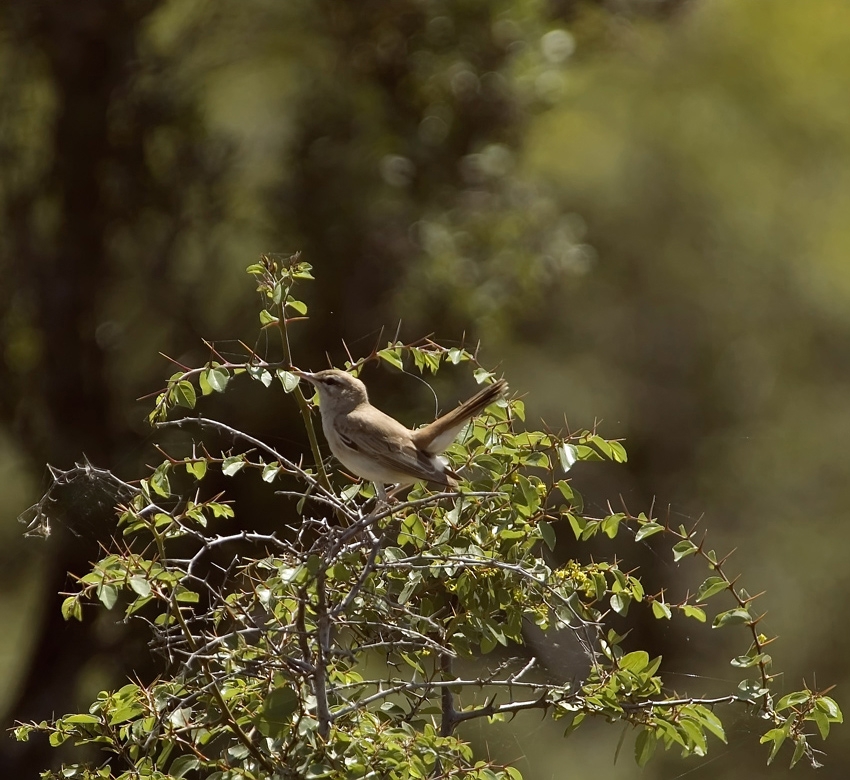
(331, 380)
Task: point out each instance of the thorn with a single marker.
(176, 363)
(755, 621)
(726, 558)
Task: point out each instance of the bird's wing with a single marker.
(392, 448)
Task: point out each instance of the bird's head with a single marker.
(339, 392)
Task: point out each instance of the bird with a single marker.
(379, 448)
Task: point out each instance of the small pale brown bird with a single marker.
(379, 448)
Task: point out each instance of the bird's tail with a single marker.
(438, 435)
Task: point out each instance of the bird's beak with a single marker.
(302, 374)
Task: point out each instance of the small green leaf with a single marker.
(611, 524)
(391, 356)
(661, 611)
(71, 608)
(648, 529)
(275, 718)
(197, 468)
(186, 596)
(830, 707)
(108, 595)
(299, 306)
(183, 394)
(645, 747)
(731, 617)
(548, 534)
(218, 378)
(684, 548)
(267, 318)
(82, 719)
(688, 610)
(140, 585)
(794, 699)
(260, 374)
(711, 586)
(232, 464)
(635, 662)
(159, 480)
(287, 379)
(182, 765)
(481, 375)
(577, 523)
(618, 452)
(620, 603)
(270, 471)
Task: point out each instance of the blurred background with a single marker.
(639, 206)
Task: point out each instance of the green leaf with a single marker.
(709, 721)
(218, 378)
(731, 617)
(186, 596)
(270, 471)
(711, 586)
(71, 608)
(481, 375)
(267, 318)
(455, 355)
(830, 707)
(183, 394)
(287, 379)
(140, 585)
(197, 469)
(618, 452)
(648, 529)
(275, 718)
(577, 523)
(645, 747)
(260, 374)
(392, 356)
(620, 603)
(548, 534)
(794, 699)
(690, 611)
(800, 746)
(661, 611)
(299, 306)
(183, 765)
(232, 464)
(822, 722)
(684, 548)
(635, 662)
(566, 490)
(159, 480)
(108, 595)
(777, 736)
(611, 524)
(81, 719)
(124, 714)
